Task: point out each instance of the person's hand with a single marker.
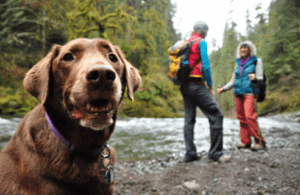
(252, 76)
(211, 90)
(220, 90)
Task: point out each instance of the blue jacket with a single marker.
(205, 62)
(242, 82)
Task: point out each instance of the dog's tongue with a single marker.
(77, 114)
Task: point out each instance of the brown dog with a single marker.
(79, 87)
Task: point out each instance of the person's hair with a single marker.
(245, 45)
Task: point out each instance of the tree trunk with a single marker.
(44, 30)
(135, 4)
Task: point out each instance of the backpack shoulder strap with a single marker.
(193, 41)
(265, 78)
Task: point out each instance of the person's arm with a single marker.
(205, 63)
(259, 70)
(230, 84)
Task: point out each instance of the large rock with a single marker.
(191, 185)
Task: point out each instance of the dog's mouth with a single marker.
(97, 114)
(94, 108)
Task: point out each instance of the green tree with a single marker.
(87, 18)
(282, 43)
(16, 25)
(29, 28)
(223, 63)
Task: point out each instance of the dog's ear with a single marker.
(36, 81)
(132, 74)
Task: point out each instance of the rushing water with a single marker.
(149, 137)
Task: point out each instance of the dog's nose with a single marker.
(101, 73)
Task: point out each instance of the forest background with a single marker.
(144, 30)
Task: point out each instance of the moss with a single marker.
(5, 138)
(16, 101)
(158, 97)
(280, 100)
(11, 74)
(176, 103)
(30, 102)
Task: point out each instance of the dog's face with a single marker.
(88, 78)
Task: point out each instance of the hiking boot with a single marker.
(257, 147)
(244, 146)
(195, 158)
(224, 158)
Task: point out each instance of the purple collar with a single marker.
(244, 60)
(90, 153)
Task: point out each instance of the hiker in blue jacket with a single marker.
(248, 68)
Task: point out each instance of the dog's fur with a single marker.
(80, 85)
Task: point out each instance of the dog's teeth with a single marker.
(88, 107)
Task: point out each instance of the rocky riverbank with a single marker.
(276, 171)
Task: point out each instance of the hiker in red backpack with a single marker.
(246, 65)
(195, 93)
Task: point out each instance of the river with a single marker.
(149, 137)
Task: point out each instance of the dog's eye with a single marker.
(68, 57)
(113, 58)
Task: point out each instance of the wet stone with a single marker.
(179, 187)
(148, 170)
(191, 185)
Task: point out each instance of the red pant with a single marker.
(245, 110)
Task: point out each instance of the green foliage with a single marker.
(5, 138)
(21, 26)
(222, 64)
(28, 30)
(283, 48)
(16, 101)
(148, 34)
(143, 29)
(157, 97)
(11, 75)
(278, 101)
(87, 17)
(13, 17)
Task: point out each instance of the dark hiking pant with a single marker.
(198, 95)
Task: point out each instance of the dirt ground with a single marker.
(276, 171)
